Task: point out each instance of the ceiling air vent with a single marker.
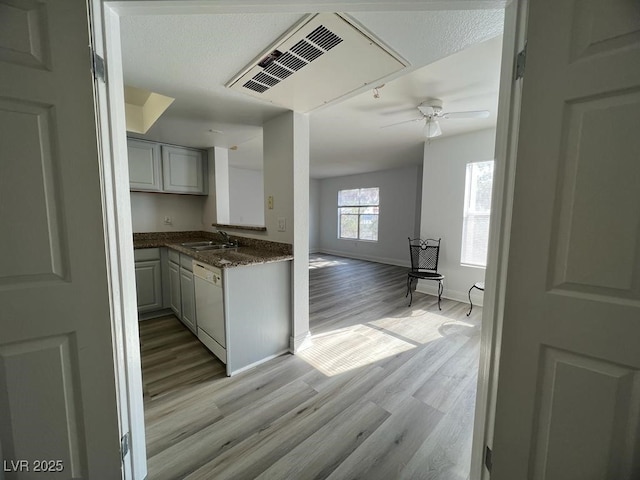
(320, 60)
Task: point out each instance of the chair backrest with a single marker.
(424, 254)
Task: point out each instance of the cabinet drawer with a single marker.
(145, 254)
(174, 256)
(186, 262)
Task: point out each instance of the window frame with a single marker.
(470, 210)
(360, 206)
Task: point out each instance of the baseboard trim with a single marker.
(387, 261)
(300, 342)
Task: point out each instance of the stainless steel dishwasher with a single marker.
(210, 308)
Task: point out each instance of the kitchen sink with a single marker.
(197, 244)
(201, 246)
(218, 246)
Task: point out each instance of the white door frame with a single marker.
(514, 41)
(118, 230)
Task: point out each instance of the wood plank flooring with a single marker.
(385, 391)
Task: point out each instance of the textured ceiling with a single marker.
(191, 57)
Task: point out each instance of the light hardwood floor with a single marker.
(385, 392)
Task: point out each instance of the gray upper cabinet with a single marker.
(184, 170)
(144, 166)
(155, 167)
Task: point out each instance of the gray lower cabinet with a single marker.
(182, 289)
(148, 279)
(175, 302)
(188, 298)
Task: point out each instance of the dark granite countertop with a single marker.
(249, 252)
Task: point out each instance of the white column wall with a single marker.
(286, 179)
(314, 215)
(221, 166)
(443, 184)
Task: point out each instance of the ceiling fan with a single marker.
(431, 112)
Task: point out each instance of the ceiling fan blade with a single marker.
(406, 121)
(475, 114)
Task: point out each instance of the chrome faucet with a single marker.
(225, 235)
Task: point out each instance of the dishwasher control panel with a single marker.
(207, 272)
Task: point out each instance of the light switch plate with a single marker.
(282, 224)
(270, 202)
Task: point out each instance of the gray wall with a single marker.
(246, 196)
(149, 209)
(445, 162)
(399, 203)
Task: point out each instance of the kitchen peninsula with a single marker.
(236, 300)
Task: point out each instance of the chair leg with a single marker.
(409, 290)
(440, 290)
(470, 302)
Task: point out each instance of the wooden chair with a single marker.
(424, 264)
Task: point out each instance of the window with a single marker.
(477, 210)
(358, 213)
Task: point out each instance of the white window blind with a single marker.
(477, 211)
(358, 210)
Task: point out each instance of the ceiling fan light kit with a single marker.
(432, 128)
(431, 111)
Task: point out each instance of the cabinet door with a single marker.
(175, 300)
(184, 170)
(188, 299)
(149, 286)
(144, 166)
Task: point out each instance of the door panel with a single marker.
(36, 249)
(568, 400)
(43, 371)
(583, 399)
(57, 381)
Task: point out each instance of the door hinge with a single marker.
(488, 460)
(124, 445)
(521, 60)
(97, 65)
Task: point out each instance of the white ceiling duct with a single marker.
(319, 60)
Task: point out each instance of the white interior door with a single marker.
(57, 388)
(569, 382)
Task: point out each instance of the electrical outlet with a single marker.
(270, 202)
(282, 224)
(167, 220)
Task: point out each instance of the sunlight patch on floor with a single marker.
(337, 352)
(418, 330)
(320, 262)
(344, 349)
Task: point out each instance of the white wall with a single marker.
(399, 199)
(314, 215)
(149, 209)
(246, 196)
(444, 171)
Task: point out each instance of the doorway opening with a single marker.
(457, 325)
